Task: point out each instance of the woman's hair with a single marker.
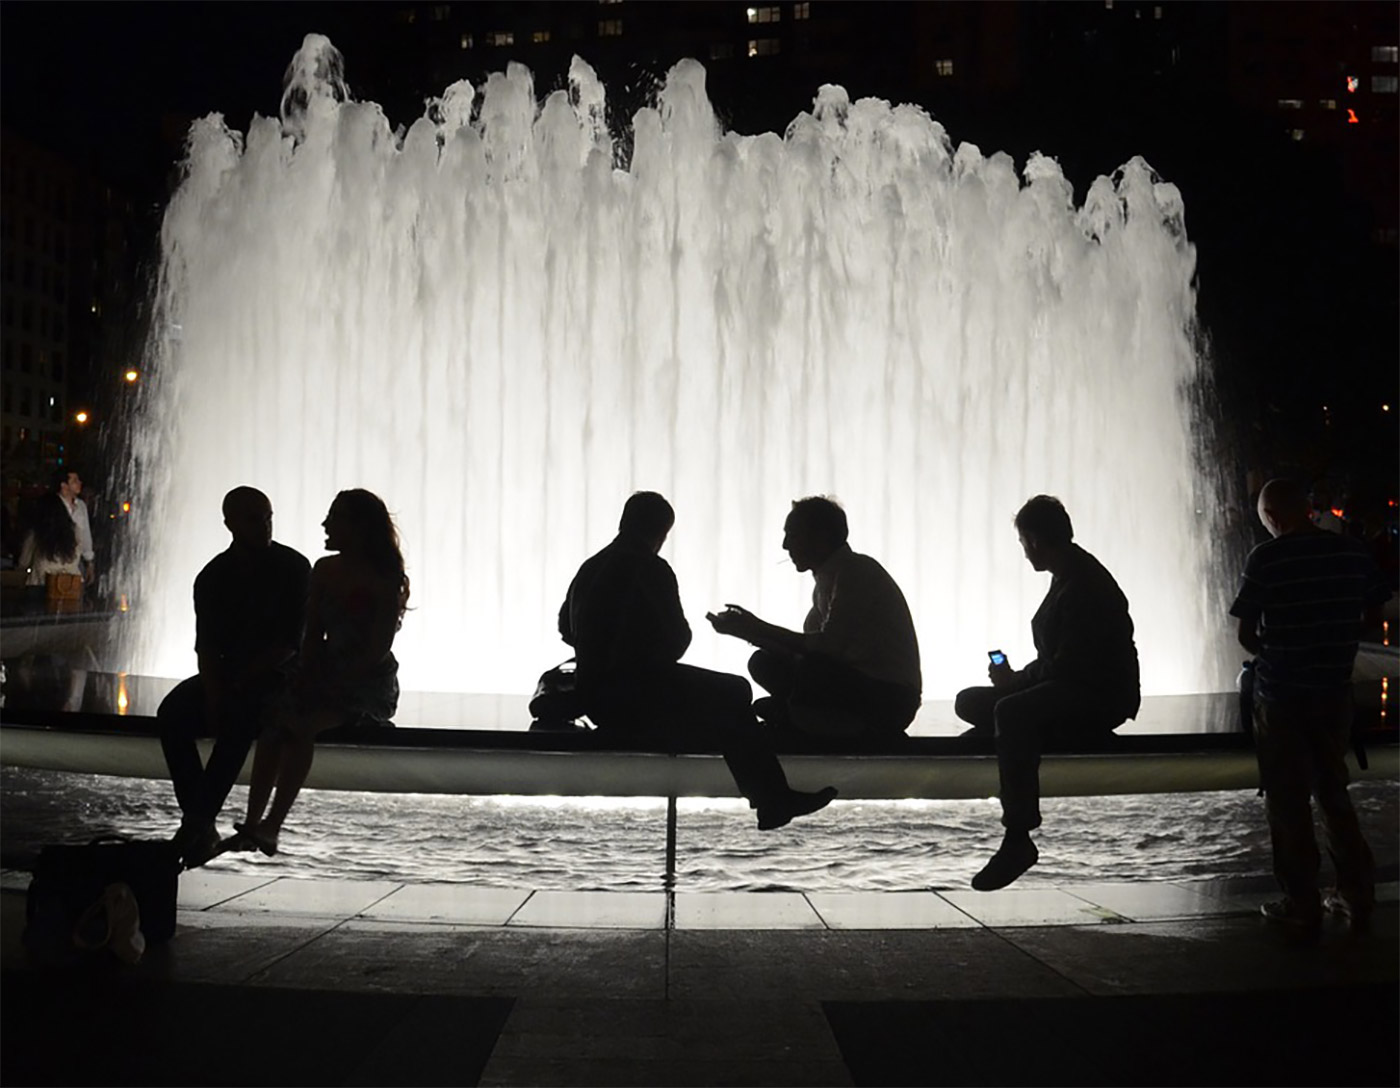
(377, 534)
(54, 534)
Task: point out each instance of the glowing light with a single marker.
(131, 375)
(122, 701)
(1339, 512)
(1352, 119)
(122, 606)
(1352, 83)
(81, 417)
(1385, 407)
(126, 508)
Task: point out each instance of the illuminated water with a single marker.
(502, 328)
(616, 845)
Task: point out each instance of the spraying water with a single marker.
(502, 331)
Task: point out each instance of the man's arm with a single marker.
(1249, 631)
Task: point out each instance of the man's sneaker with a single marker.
(1007, 864)
(205, 846)
(1358, 919)
(794, 804)
(1297, 925)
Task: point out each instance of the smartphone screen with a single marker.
(996, 657)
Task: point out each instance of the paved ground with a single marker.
(279, 981)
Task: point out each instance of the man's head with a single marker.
(815, 527)
(67, 483)
(1283, 507)
(248, 515)
(1045, 530)
(646, 520)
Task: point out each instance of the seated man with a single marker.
(1081, 686)
(624, 619)
(853, 671)
(250, 605)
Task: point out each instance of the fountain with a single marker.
(501, 328)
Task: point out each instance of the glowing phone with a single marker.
(996, 657)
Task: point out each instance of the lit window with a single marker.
(539, 36)
(770, 14)
(1296, 133)
(943, 67)
(610, 28)
(1385, 54)
(1290, 103)
(1108, 4)
(802, 10)
(721, 50)
(1327, 103)
(763, 47)
(442, 12)
(501, 37)
(467, 42)
(1156, 13)
(1385, 84)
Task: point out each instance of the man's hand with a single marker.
(736, 621)
(1001, 676)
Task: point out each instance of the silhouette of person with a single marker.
(1300, 608)
(50, 546)
(347, 672)
(68, 486)
(1081, 686)
(249, 604)
(853, 671)
(623, 617)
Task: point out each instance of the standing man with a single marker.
(1300, 606)
(623, 617)
(1082, 685)
(853, 671)
(250, 606)
(68, 485)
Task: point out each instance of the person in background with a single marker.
(347, 673)
(50, 547)
(1302, 601)
(68, 486)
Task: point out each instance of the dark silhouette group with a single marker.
(287, 651)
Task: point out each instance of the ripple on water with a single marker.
(597, 844)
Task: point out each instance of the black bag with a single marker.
(556, 705)
(70, 879)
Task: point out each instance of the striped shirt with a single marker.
(1308, 590)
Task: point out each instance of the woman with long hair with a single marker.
(347, 672)
(51, 544)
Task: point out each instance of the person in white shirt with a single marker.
(853, 670)
(69, 486)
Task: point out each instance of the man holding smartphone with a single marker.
(1081, 686)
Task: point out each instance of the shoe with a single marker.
(204, 848)
(1012, 860)
(1358, 920)
(264, 840)
(796, 803)
(1298, 926)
